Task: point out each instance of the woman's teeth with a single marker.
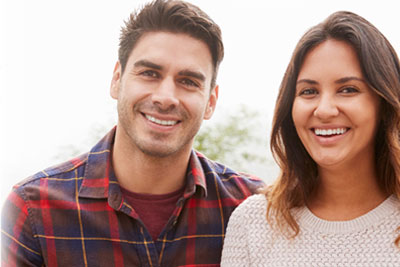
(327, 132)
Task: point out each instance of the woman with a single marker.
(336, 139)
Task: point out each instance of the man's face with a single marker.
(164, 93)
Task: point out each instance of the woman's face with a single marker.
(334, 111)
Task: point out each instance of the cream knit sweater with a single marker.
(365, 241)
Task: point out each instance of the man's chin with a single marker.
(158, 151)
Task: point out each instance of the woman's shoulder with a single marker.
(255, 201)
(254, 205)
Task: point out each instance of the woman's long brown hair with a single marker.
(380, 66)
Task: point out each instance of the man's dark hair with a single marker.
(176, 17)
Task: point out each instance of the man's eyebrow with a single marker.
(149, 64)
(146, 63)
(307, 81)
(350, 78)
(193, 74)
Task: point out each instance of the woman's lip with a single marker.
(329, 139)
(329, 131)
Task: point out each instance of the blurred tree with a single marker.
(235, 139)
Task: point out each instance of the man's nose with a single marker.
(164, 95)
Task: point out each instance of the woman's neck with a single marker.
(346, 193)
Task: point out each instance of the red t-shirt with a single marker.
(153, 210)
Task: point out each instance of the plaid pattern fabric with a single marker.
(74, 214)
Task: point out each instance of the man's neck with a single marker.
(141, 173)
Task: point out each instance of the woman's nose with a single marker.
(326, 108)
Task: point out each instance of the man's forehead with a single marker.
(151, 36)
(161, 50)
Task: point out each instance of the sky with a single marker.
(57, 58)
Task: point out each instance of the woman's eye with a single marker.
(308, 92)
(348, 90)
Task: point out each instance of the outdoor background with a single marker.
(57, 58)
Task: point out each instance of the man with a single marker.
(141, 196)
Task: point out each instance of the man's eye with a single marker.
(188, 82)
(149, 73)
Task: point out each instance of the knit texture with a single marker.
(365, 241)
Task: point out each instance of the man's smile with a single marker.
(161, 122)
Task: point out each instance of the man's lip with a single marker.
(161, 119)
(160, 116)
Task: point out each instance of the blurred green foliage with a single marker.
(235, 139)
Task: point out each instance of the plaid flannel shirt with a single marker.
(74, 214)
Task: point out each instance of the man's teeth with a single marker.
(323, 132)
(161, 122)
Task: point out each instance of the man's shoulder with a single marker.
(67, 170)
(229, 179)
(74, 169)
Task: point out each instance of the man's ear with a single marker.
(212, 103)
(115, 81)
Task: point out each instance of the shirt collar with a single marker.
(195, 176)
(99, 180)
(96, 180)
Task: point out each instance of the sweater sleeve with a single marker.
(235, 250)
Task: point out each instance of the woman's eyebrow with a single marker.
(309, 81)
(350, 78)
